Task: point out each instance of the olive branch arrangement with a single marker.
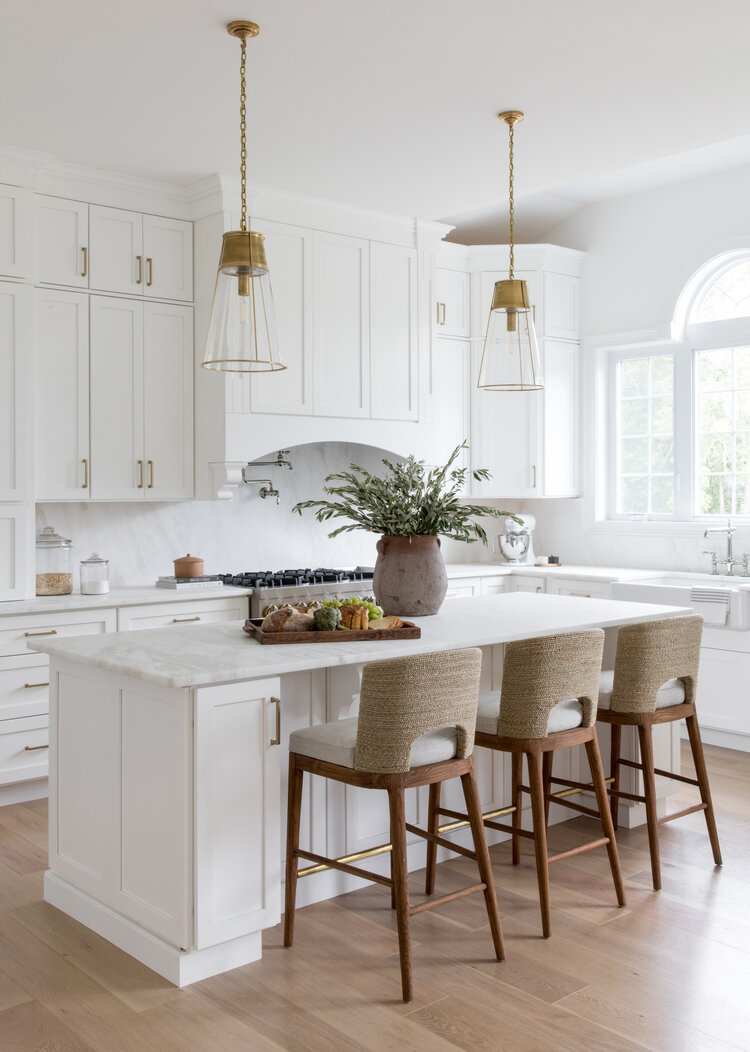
(406, 501)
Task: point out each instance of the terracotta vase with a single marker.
(410, 577)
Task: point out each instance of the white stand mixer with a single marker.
(516, 543)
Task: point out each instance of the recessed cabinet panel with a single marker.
(167, 258)
(12, 551)
(14, 396)
(561, 306)
(561, 418)
(168, 401)
(393, 346)
(116, 250)
(61, 395)
(453, 311)
(118, 469)
(452, 408)
(61, 239)
(341, 326)
(289, 251)
(15, 231)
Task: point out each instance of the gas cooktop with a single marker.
(295, 578)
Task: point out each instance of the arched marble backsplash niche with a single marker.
(244, 533)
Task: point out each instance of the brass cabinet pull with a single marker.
(85, 254)
(442, 318)
(150, 265)
(440, 313)
(85, 484)
(28, 686)
(533, 476)
(150, 474)
(437, 313)
(140, 475)
(33, 748)
(139, 279)
(183, 620)
(30, 635)
(277, 739)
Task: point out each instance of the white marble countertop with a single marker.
(205, 654)
(134, 596)
(582, 573)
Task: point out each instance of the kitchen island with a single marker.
(167, 758)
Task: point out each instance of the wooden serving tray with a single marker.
(252, 627)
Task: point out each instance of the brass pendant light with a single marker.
(242, 334)
(510, 357)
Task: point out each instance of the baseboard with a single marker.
(21, 792)
(723, 739)
(181, 967)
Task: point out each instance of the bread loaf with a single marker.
(389, 621)
(354, 617)
(299, 623)
(275, 622)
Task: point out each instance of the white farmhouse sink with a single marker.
(693, 589)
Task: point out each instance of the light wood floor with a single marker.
(670, 972)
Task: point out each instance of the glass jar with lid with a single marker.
(94, 575)
(54, 563)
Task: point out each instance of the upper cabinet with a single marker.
(112, 250)
(394, 393)
(453, 307)
(14, 389)
(15, 231)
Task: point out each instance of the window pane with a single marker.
(742, 367)
(635, 494)
(742, 495)
(662, 494)
(716, 453)
(662, 455)
(661, 415)
(742, 410)
(716, 495)
(633, 377)
(634, 456)
(645, 435)
(728, 296)
(716, 370)
(634, 415)
(716, 412)
(742, 453)
(661, 375)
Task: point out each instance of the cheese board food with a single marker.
(333, 621)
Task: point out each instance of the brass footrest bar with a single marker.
(422, 907)
(440, 841)
(681, 814)
(463, 821)
(576, 787)
(577, 850)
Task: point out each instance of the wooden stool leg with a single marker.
(401, 884)
(293, 814)
(517, 799)
(536, 785)
(600, 788)
(547, 759)
(474, 811)
(614, 769)
(433, 821)
(696, 746)
(649, 788)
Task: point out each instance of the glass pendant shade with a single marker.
(242, 333)
(510, 357)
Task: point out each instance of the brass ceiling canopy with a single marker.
(242, 335)
(510, 357)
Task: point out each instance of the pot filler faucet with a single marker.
(730, 562)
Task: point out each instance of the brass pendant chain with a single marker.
(243, 130)
(510, 215)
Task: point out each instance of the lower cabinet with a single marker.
(195, 612)
(571, 586)
(24, 748)
(526, 584)
(12, 551)
(722, 701)
(463, 586)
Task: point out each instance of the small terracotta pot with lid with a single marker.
(188, 566)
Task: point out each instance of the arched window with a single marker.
(727, 295)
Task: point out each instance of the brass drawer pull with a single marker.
(33, 748)
(85, 270)
(30, 635)
(150, 474)
(140, 475)
(139, 279)
(276, 740)
(85, 484)
(183, 620)
(28, 686)
(150, 265)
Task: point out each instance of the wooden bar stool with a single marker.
(547, 702)
(416, 727)
(654, 682)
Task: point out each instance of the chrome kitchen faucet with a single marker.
(730, 562)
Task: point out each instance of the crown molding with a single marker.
(633, 339)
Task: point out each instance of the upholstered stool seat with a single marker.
(336, 743)
(670, 693)
(562, 717)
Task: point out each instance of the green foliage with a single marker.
(327, 618)
(373, 610)
(408, 500)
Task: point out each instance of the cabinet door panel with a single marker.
(453, 401)
(61, 236)
(116, 241)
(393, 333)
(289, 251)
(168, 258)
(61, 395)
(118, 471)
(561, 418)
(721, 698)
(14, 394)
(168, 401)
(561, 306)
(453, 316)
(15, 231)
(341, 326)
(12, 551)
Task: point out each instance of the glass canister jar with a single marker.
(94, 575)
(54, 563)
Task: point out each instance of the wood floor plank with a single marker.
(30, 1028)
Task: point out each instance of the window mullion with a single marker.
(685, 466)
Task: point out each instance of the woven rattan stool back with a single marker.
(651, 653)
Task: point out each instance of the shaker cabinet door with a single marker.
(14, 392)
(167, 258)
(393, 333)
(15, 231)
(116, 241)
(61, 395)
(61, 240)
(168, 401)
(118, 469)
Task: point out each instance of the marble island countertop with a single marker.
(207, 654)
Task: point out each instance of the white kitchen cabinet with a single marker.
(192, 612)
(463, 586)
(17, 630)
(562, 414)
(721, 701)
(505, 440)
(24, 686)
(393, 333)
(517, 583)
(141, 400)
(493, 585)
(13, 553)
(61, 395)
(14, 390)
(453, 401)
(24, 749)
(453, 309)
(61, 241)
(237, 846)
(572, 586)
(140, 255)
(562, 307)
(341, 326)
(15, 231)
(289, 251)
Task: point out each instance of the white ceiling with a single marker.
(387, 105)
